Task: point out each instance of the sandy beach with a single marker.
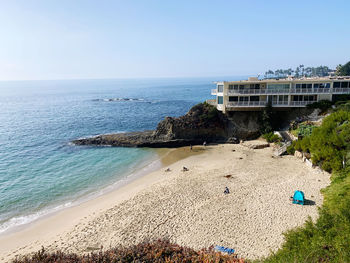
(189, 207)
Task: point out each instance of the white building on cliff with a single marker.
(254, 94)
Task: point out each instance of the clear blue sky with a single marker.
(64, 39)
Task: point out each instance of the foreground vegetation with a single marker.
(328, 239)
(155, 251)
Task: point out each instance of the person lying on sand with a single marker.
(168, 170)
(185, 169)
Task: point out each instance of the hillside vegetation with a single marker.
(327, 239)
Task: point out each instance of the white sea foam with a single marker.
(26, 219)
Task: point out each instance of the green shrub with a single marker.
(303, 129)
(271, 137)
(329, 143)
(291, 149)
(206, 112)
(343, 106)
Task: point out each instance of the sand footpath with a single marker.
(189, 207)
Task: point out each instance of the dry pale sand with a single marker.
(190, 207)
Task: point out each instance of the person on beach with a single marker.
(204, 143)
(184, 169)
(227, 191)
(190, 147)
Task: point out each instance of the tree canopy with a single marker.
(300, 71)
(343, 70)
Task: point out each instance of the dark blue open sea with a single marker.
(41, 172)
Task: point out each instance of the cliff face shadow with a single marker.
(309, 202)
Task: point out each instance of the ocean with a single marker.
(42, 172)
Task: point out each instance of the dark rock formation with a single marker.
(202, 123)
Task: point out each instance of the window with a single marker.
(254, 86)
(298, 86)
(344, 84)
(243, 98)
(241, 86)
(283, 98)
(309, 86)
(322, 85)
(297, 98)
(309, 98)
(254, 98)
(220, 88)
(220, 100)
(336, 85)
(235, 98)
(235, 86)
(230, 87)
(278, 87)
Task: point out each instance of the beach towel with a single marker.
(225, 250)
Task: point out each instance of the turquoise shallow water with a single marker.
(40, 171)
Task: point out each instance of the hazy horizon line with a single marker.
(128, 78)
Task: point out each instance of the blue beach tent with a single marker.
(298, 197)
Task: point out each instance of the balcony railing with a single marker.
(298, 90)
(257, 91)
(287, 91)
(246, 103)
(233, 104)
(322, 90)
(247, 91)
(341, 90)
(300, 103)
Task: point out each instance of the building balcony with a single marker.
(242, 104)
(214, 92)
(341, 90)
(321, 90)
(233, 104)
(258, 91)
(310, 91)
(300, 103)
(284, 91)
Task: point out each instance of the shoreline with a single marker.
(144, 168)
(190, 197)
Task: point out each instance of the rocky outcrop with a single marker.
(202, 123)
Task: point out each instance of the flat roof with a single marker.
(289, 79)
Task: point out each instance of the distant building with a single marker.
(254, 94)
